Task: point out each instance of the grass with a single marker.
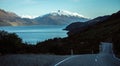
(30, 60)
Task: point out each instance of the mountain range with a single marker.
(53, 18)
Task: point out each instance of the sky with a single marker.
(87, 8)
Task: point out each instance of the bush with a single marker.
(9, 42)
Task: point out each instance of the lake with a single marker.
(36, 33)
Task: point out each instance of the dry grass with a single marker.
(30, 60)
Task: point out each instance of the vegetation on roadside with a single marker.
(10, 43)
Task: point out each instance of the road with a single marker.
(104, 58)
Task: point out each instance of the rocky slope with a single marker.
(11, 19)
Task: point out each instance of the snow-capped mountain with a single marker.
(53, 18)
(65, 13)
(60, 18)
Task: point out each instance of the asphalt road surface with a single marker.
(104, 58)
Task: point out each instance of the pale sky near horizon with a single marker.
(87, 8)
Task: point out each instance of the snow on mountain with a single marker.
(27, 16)
(60, 18)
(67, 13)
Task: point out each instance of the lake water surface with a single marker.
(34, 34)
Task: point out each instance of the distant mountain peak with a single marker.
(67, 13)
(60, 17)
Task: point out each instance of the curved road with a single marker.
(104, 58)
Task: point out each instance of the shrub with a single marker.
(9, 42)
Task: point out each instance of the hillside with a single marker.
(11, 19)
(104, 29)
(77, 27)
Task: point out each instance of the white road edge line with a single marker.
(64, 60)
